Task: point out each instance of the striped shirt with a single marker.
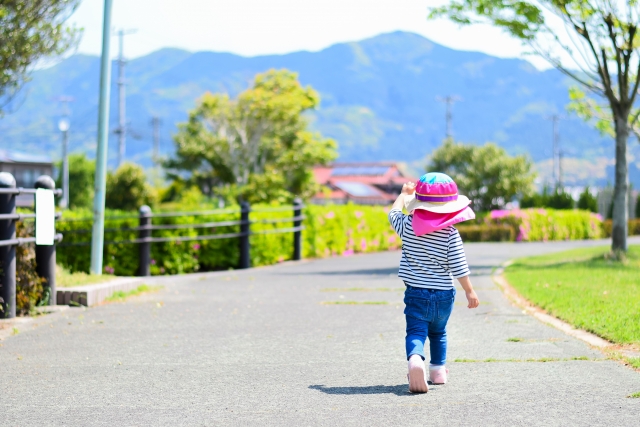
(431, 260)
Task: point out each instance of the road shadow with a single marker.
(393, 271)
(398, 390)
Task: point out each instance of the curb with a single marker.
(535, 311)
(90, 295)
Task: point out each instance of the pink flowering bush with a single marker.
(535, 225)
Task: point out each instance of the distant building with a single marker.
(25, 168)
(367, 183)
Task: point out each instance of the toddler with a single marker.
(432, 256)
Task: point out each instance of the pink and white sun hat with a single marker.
(438, 193)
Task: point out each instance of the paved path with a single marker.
(259, 347)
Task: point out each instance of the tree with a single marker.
(127, 188)
(604, 37)
(81, 174)
(29, 31)
(587, 201)
(486, 174)
(256, 147)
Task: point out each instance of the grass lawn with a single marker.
(66, 279)
(583, 288)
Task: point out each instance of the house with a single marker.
(25, 168)
(367, 183)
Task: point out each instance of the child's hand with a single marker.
(472, 298)
(408, 188)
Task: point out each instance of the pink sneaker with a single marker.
(438, 375)
(417, 376)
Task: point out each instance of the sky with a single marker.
(262, 27)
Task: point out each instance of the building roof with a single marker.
(11, 156)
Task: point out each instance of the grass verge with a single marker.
(66, 279)
(585, 289)
(354, 303)
(123, 295)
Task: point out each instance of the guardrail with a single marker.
(146, 227)
(45, 254)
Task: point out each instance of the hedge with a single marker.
(330, 230)
(536, 225)
(634, 227)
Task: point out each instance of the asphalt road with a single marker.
(268, 346)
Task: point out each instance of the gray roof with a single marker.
(10, 156)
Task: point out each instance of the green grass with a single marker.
(634, 362)
(122, 295)
(584, 288)
(515, 339)
(635, 395)
(66, 279)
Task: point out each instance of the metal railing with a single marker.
(146, 227)
(45, 254)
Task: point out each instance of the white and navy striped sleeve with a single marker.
(396, 218)
(455, 255)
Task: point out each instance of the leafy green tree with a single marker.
(587, 201)
(29, 31)
(605, 34)
(560, 199)
(81, 175)
(256, 147)
(127, 188)
(486, 174)
(638, 207)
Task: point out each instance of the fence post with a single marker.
(245, 230)
(7, 253)
(45, 254)
(297, 235)
(144, 247)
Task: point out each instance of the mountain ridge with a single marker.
(379, 99)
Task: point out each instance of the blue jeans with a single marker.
(427, 312)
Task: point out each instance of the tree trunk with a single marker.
(621, 188)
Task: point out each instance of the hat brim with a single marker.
(411, 203)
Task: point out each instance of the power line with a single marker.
(449, 101)
(121, 130)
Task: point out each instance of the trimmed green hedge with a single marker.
(634, 227)
(537, 225)
(487, 233)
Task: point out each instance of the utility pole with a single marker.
(63, 126)
(97, 233)
(449, 101)
(121, 131)
(555, 119)
(155, 123)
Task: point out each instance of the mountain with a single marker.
(380, 101)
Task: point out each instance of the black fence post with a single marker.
(7, 253)
(297, 235)
(245, 230)
(46, 254)
(144, 247)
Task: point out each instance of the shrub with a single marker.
(29, 287)
(487, 233)
(587, 202)
(634, 227)
(548, 224)
(127, 188)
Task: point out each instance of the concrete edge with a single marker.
(90, 295)
(535, 311)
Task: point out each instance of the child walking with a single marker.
(432, 256)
